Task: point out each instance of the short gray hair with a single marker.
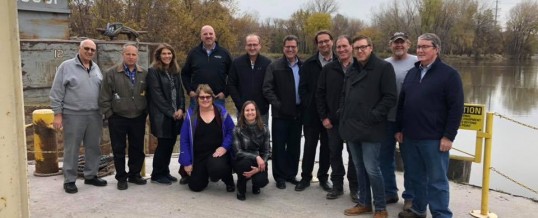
(432, 37)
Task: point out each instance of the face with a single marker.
(208, 36)
(426, 52)
(130, 55)
(362, 50)
(205, 100)
(325, 44)
(253, 46)
(87, 50)
(250, 113)
(399, 48)
(166, 56)
(290, 49)
(344, 49)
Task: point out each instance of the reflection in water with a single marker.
(511, 89)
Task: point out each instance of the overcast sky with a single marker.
(361, 9)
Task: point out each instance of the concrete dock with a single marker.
(48, 199)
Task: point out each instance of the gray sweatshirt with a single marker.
(75, 90)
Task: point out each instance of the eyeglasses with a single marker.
(205, 97)
(424, 47)
(324, 42)
(290, 47)
(361, 48)
(89, 49)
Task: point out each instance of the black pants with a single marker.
(286, 148)
(122, 129)
(313, 133)
(210, 168)
(161, 158)
(336, 145)
(259, 180)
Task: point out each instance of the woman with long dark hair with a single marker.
(166, 106)
(251, 148)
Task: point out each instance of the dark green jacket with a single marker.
(119, 96)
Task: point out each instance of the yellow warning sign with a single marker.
(473, 117)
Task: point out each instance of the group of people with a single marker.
(335, 96)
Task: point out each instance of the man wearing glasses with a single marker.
(74, 99)
(313, 129)
(402, 62)
(281, 89)
(428, 117)
(369, 93)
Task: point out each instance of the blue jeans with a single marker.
(386, 161)
(216, 101)
(427, 167)
(366, 158)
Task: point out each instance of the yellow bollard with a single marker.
(45, 145)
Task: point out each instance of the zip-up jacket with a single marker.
(279, 89)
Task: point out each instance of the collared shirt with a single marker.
(346, 68)
(209, 51)
(130, 74)
(295, 68)
(424, 70)
(323, 61)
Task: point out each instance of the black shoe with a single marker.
(137, 180)
(256, 190)
(334, 194)
(230, 188)
(70, 188)
(241, 196)
(303, 184)
(281, 185)
(326, 185)
(171, 178)
(391, 200)
(163, 180)
(292, 181)
(122, 185)
(354, 197)
(184, 180)
(95, 181)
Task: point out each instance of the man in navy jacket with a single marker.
(428, 117)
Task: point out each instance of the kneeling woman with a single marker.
(251, 148)
(206, 143)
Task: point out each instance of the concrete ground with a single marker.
(47, 199)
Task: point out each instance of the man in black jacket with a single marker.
(207, 63)
(328, 94)
(281, 88)
(246, 76)
(369, 94)
(313, 129)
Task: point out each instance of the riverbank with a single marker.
(47, 199)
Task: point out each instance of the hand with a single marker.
(221, 95)
(261, 163)
(192, 94)
(399, 137)
(219, 152)
(178, 114)
(327, 123)
(58, 123)
(188, 169)
(251, 173)
(446, 144)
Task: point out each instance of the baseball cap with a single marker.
(398, 35)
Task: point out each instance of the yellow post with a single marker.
(484, 210)
(45, 144)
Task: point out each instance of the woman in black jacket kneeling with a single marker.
(251, 146)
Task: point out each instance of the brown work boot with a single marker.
(357, 210)
(381, 214)
(407, 204)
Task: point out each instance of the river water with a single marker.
(510, 89)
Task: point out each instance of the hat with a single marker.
(398, 35)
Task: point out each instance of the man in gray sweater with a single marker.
(74, 99)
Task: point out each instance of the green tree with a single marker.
(314, 23)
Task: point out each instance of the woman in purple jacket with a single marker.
(206, 142)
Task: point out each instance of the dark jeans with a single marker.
(286, 148)
(336, 145)
(386, 161)
(214, 168)
(161, 158)
(120, 129)
(313, 133)
(259, 180)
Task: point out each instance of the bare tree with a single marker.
(322, 6)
